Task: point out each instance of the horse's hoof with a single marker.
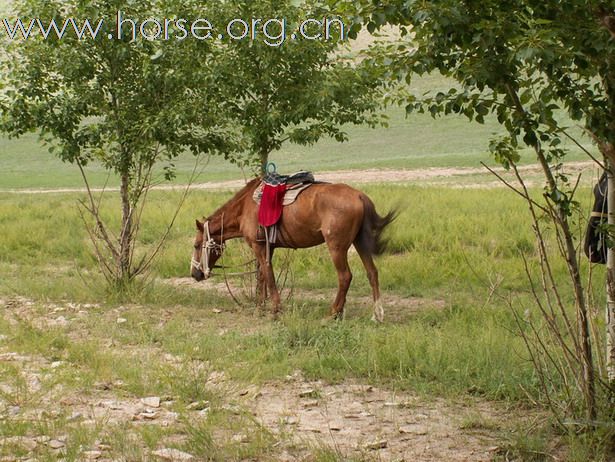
(377, 320)
(332, 318)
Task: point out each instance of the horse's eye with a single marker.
(196, 246)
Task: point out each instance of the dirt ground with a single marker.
(354, 419)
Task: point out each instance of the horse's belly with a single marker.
(299, 238)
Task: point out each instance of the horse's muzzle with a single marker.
(198, 275)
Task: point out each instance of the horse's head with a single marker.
(207, 250)
(595, 243)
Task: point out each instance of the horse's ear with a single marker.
(200, 226)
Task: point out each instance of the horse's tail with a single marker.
(370, 236)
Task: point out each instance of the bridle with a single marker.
(208, 245)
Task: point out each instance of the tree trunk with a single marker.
(588, 383)
(126, 233)
(610, 284)
(264, 160)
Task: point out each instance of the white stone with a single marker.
(92, 455)
(56, 444)
(151, 401)
(375, 445)
(173, 455)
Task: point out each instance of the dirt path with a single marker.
(460, 177)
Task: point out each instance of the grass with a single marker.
(461, 343)
(438, 254)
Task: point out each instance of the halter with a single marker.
(208, 244)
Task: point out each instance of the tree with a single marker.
(126, 102)
(283, 89)
(520, 61)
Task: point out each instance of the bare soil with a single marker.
(352, 419)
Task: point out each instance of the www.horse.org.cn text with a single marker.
(273, 32)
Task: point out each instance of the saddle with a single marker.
(273, 194)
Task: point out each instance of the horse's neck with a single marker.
(229, 217)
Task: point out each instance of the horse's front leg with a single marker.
(261, 285)
(269, 278)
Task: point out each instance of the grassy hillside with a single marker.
(417, 141)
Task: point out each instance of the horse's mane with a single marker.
(239, 196)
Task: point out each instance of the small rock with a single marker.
(311, 403)
(56, 364)
(375, 445)
(233, 409)
(217, 311)
(149, 415)
(43, 439)
(308, 393)
(56, 444)
(311, 429)
(216, 377)
(92, 455)
(291, 420)
(413, 430)
(75, 416)
(3, 338)
(198, 406)
(14, 410)
(173, 455)
(121, 320)
(241, 438)
(151, 401)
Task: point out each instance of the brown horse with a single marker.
(335, 214)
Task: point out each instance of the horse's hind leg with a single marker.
(344, 277)
(372, 276)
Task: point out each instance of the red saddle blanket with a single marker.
(272, 203)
